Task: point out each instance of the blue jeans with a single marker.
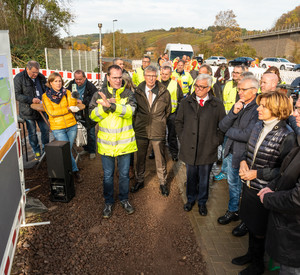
(32, 136)
(67, 134)
(197, 183)
(91, 141)
(225, 160)
(108, 165)
(235, 185)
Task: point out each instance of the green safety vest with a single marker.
(116, 135)
(229, 95)
(172, 88)
(138, 76)
(185, 80)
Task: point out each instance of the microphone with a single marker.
(74, 93)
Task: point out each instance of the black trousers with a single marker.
(172, 136)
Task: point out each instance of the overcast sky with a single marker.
(143, 15)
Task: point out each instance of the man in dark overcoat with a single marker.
(196, 124)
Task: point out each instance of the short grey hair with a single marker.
(208, 68)
(245, 74)
(252, 79)
(167, 68)
(80, 72)
(33, 64)
(116, 59)
(151, 68)
(205, 76)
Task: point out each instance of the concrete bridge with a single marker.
(282, 42)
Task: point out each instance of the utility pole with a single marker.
(114, 50)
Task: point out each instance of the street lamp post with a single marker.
(100, 58)
(114, 50)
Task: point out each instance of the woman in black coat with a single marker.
(282, 199)
(270, 141)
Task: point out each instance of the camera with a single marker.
(291, 91)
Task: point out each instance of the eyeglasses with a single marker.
(244, 90)
(150, 76)
(236, 72)
(116, 78)
(200, 87)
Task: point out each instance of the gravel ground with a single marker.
(156, 239)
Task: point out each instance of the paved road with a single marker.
(217, 243)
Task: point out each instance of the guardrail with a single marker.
(283, 30)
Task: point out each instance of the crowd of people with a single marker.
(254, 123)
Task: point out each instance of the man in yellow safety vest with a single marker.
(176, 96)
(113, 108)
(184, 78)
(138, 74)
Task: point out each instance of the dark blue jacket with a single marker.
(238, 127)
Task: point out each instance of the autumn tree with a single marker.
(290, 18)
(33, 25)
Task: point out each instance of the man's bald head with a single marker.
(268, 82)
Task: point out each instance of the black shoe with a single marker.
(151, 156)
(240, 231)
(107, 211)
(242, 260)
(164, 190)
(174, 158)
(203, 210)
(188, 206)
(253, 269)
(78, 177)
(228, 217)
(137, 187)
(127, 206)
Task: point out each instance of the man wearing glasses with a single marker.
(138, 74)
(197, 123)
(230, 97)
(153, 108)
(113, 108)
(29, 88)
(230, 94)
(237, 127)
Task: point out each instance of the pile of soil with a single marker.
(156, 239)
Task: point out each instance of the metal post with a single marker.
(79, 59)
(115, 20)
(71, 57)
(46, 56)
(91, 56)
(85, 55)
(99, 56)
(60, 59)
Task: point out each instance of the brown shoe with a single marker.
(78, 177)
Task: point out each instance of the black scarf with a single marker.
(56, 96)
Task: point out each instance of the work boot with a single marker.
(228, 217)
(247, 258)
(257, 265)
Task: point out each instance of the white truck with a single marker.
(179, 50)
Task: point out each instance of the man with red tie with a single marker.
(196, 124)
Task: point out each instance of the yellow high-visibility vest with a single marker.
(116, 135)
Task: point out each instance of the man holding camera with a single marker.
(86, 90)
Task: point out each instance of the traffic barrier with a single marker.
(286, 76)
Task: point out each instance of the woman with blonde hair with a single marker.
(270, 141)
(58, 102)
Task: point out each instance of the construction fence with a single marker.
(70, 60)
